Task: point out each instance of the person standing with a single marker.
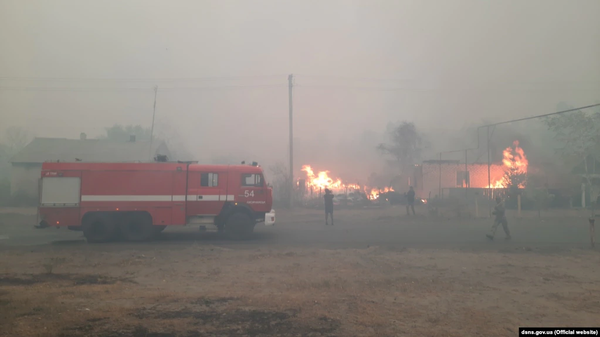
(410, 200)
(328, 206)
(500, 218)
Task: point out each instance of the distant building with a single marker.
(439, 176)
(27, 164)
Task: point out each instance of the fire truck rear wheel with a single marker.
(98, 227)
(137, 227)
(239, 226)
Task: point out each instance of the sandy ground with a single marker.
(375, 273)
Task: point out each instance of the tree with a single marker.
(122, 133)
(4, 162)
(163, 132)
(15, 139)
(579, 136)
(404, 145)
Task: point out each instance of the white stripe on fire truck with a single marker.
(97, 198)
(125, 198)
(205, 197)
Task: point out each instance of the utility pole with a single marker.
(489, 176)
(152, 128)
(467, 178)
(291, 107)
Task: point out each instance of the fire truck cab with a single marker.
(135, 201)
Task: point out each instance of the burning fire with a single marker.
(374, 193)
(321, 181)
(514, 163)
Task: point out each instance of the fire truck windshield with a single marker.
(252, 180)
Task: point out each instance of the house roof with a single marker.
(89, 150)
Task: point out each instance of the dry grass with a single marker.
(369, 292)
(187, 288)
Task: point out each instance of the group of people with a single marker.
(499, 212)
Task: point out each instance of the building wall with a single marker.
(478, 174)
(24, 179)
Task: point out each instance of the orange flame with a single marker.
(514, 162)
(320, 181)
(374, 193)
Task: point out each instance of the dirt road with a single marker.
(375, 273)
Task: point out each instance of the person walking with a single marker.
(500, 218)
(410, 200)
(328, 206)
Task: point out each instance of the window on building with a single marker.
(462, 179)
(251, 179)
(209, 179)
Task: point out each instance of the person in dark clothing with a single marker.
(410, 200)
(328, 206)
(500, 214)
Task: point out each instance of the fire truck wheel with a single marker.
(138, 227)
(159, 229)
(219, 223)
(98, 227)
(239, 226)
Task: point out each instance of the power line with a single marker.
(540, 116)
(361, 87)
(225, 87)
(450, 82)
(5, 88)
(164, 79)
(343, 78)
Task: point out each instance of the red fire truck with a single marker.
(135, 201)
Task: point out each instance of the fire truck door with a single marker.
(204, 193)
(179, 189)
(252, 190)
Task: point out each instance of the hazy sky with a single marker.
(359, 64)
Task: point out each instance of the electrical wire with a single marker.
(169, 79)
(163, 89)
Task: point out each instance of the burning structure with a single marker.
(315, 184)
(430, 179)
(440, 175)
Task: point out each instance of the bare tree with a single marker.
(404, 145)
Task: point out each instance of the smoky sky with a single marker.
(221, 68)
